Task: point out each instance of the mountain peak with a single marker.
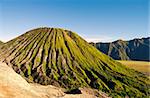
(62, 58)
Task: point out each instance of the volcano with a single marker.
(62, 58)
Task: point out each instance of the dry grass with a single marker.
(141, 66)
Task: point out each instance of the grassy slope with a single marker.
(141, 66)
(1, 43)
(62, 58)
(13, 85)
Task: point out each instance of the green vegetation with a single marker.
(1, 43)
(62, 58)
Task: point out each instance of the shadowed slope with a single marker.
(136, 49)
(62, 58)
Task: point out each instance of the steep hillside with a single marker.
(62, 58)
(1, 43)
(13, 85)
(137, 49)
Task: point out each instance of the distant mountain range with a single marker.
(136, 49)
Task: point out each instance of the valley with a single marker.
(140, 66)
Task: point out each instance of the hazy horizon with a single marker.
(94, 20)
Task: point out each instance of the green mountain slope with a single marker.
(136, 49)
(1, 43)
(62, 58)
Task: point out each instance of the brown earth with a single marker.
(12, 85)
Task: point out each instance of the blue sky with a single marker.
(94, 20)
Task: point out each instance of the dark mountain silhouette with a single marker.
(136, 49)
(62, 58)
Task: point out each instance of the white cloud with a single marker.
(98, 38)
